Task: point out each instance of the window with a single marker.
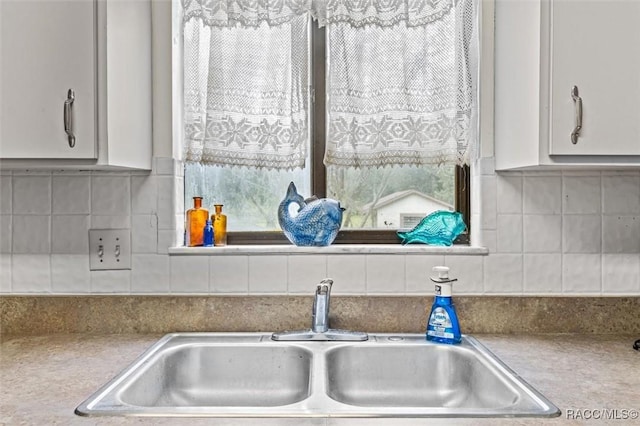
(378, 200)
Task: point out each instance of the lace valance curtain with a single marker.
(400, 81)
(385, 13)
(246, 83)
(250, 13)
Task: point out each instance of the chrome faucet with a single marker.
(320, 321)
(320, 315)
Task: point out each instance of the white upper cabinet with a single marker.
(48, 48)
(595, 47)
(75, 84)
(567, 84)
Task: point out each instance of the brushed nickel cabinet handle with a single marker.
(68, 117)
(577, 100)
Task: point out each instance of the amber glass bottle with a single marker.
(196, 220)
(219, 226)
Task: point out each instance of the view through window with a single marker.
(384, 198)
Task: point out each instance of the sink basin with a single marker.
(250, 375)
(417, 376)
(198, 375)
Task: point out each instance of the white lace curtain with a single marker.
(400, 84)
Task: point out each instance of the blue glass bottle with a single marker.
(208, 234)
(443, 325)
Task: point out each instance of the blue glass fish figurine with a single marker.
(439, 228)
(316, 222)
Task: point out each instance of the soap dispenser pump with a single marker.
(443, 326)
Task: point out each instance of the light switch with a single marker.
(109, 249)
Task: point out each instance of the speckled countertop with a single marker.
(43, 378)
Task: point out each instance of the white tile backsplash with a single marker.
(111, 282)
(5, 194)
(582, 233)
(144, 194)
(110, 222)
(486, 166)
(542, 233)
(144, 233)
(503, 273)
(348, 272)
(305, 272)
(509, 194)
(620, 234)
(469, 271)
(110, 195)
(150, 273)
(31, 234)
(70, 274)
(488, 202)
(509, 233)
(385, 274)
(5, 273)
(70, 234)
(542, 195)
(581, 195)
(31, 273)
(581, 273)
(621, 194)
(547, 233)
(71, 194)
(166, 202)
(418, 269)
(489, 239)
(5, 233)
(190, 274)
(621, 273)
(169, 238)
(32, 194)
(178, 200)
(229, 274)
(542, 273)
(267, 274)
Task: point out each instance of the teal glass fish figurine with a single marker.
(439, 228)
(315, 223)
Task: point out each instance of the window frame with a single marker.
(462, 195)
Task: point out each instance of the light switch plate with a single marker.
(109, 249)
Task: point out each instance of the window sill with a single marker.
(286, 249)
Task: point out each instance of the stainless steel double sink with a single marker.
(250, 375)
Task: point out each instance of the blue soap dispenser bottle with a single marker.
(443, 325)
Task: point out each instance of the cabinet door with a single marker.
(595, 46)
(46, 48)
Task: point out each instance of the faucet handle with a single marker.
(325, 286)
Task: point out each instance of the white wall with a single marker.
(559, 233)
(548, 233)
